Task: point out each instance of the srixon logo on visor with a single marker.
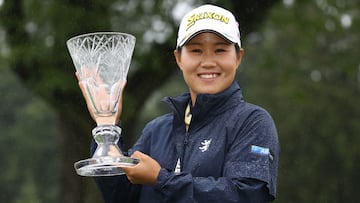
(206, 15)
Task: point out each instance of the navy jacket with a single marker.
(229, 154)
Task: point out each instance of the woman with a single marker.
(213, 147)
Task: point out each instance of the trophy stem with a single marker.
(107, 137)
(107, 158)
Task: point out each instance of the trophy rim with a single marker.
(100, 33)
(104, 166)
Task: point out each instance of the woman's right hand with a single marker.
(100, 120)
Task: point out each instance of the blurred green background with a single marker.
(301, 63)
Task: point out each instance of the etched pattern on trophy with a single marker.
(102, 62)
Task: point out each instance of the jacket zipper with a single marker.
(186, 141)
(186, 136)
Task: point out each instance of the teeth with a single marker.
(208, 76)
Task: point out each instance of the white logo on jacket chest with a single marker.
(205, 145)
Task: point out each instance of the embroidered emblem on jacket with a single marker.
(205, 145)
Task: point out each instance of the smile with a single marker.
(209, 76)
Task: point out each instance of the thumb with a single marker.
(139, 155)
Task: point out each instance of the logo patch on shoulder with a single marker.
(261, 151)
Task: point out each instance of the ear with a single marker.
(177, 55)
(239, 57)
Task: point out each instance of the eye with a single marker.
(220, 50)
(195, 50)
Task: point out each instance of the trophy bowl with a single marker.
(102, 61)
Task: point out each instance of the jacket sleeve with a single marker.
(208, 189)
(249, 171)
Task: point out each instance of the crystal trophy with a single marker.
(102, 61)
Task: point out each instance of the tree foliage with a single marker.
(301, 63)
(28, 144)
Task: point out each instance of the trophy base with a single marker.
(104, 166)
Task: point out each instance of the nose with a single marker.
(208, 60)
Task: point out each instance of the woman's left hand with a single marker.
(145, 172)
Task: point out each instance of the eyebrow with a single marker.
(223, 43)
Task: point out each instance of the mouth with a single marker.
(209, 75)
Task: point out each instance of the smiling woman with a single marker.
(208, 63)
(177, 151)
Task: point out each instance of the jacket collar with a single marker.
(207, 105)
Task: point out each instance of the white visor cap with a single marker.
(208, 18)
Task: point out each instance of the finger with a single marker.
(114, 151)
(77, 74)
(138, 155)
(81, 84)
(119, 110)
(84, 93)
(129, 169)
(126, 170)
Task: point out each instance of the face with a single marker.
(208, 63)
